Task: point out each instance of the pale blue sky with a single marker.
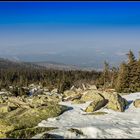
(69, 31)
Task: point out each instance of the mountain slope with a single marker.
(54, 65)
(6, 64)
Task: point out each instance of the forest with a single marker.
(125, 78)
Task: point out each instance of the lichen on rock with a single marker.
(116, 102)
(136, 103)
(96, 105)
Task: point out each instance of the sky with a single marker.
(79, 33)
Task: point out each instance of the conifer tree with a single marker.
(138, 74)
(132, 65)
(106, 72)
(122, 84)
(114, 72)
(131, 57)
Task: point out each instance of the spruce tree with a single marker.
(122, 84)
(138, 74)
(131, 57)
(132, 65)
(106, 73)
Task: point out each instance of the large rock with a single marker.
(72, 88)
(54, 98)
(84, 87)
(12, 106)
(116, 102)
(91, 95)
(28, 132)
(79, 90)
(27, 118)
(136, 103)
(71, 95)
(43, 100)
(4, 108)
(92, 87)
(23, 118)
(46, 89)
(5, 128)
(17, 102)
(96, 105)
(68, 93)
(36, 101)
(3, 99)
(2, 135)
(78, 101)
(54, 90)
(32, 86)
(51, 136)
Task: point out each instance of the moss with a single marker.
(31, 117)
(91, 95)
(2, 135)
(96, 105)
(28, 132)
(136, 103)
(69, 93)
(28, 118)
(5, 126)
(77, 101)
(4, 108)
(116, 102)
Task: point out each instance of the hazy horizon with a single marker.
(75, 33)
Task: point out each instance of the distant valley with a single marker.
(7, 63)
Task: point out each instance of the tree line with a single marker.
(125, 78)
(50, 78)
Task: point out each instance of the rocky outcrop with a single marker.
(24, 118)
(34, 101)
(96, 105)
(3, 99)
(28, 132)
(4, 108)
(5, 127)
(116, 102)
(54, 97)
(78, 101)
(71, 95)
(20, 113)
(17, 102)
(92, 87)
(136, 103)
(74, 130)
(84, 87)
(51, 136)
(54, 90)
(91, 95)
